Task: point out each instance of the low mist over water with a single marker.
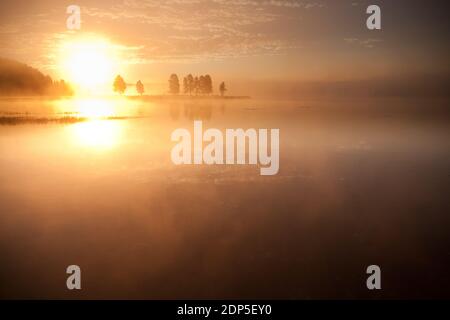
(90, 182)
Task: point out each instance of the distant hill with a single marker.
(18, 79)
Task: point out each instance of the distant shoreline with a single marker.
(185, 97)
(132, 97)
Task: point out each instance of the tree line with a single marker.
(20, 79)
(199, 85)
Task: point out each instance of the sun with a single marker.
(89, 63)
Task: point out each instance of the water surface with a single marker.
(91, 183)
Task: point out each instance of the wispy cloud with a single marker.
(366, 43)
(198, 29)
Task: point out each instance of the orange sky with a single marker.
(236, 40)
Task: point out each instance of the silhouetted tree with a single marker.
(174, 84)
(191, 84)
(61, 88)
(222, 89)
(140, 87)
(119, 85)
(185, 85)
(208, 86)
(196, 85)
(201, 84)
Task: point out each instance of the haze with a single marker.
(258, 47)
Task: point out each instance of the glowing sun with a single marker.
(89, 63)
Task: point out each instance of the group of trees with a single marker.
(20, 79)
(120, 86)
(194, 85)
(198, 85)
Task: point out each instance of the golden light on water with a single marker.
(90, 63)
(96, 107)
(96, 129)
(97, 134)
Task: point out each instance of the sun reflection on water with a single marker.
(98, 134)
(98, 131)
(95, 108)
(92, 108)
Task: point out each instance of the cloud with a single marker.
(367, 43)
(198, 29)
(163, 30)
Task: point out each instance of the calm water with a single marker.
(361, 182)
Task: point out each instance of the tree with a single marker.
(201, 84)
(185, 85)
(119, 85)
(191, 84)
(174, 84)
(208, 86)
(19, 79)
(140, 87)
(196, 85)
(222, 89)
(62, 88)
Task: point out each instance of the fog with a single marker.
(360, 182)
